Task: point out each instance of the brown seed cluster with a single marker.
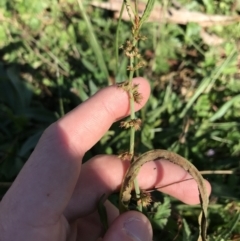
(135, 123)
(145, 199)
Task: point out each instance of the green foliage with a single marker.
(94, 43)
(54, 57)
(22, 121)
(159, 213)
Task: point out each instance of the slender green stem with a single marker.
(137, 23)
(132, 139)
(138, 194)
(59, 84)
(132, 110)
(136, 7)
(132, 130)
(60, 100)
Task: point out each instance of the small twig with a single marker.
(207, 172)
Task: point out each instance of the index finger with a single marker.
(95, 116)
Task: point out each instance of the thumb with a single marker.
(130, 226)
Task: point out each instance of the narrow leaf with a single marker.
(147, 11)
(225, 107)
(94, 42)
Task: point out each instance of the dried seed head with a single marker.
(128, 46)
(135, 87)
(145, 199)
(142, 37)
(125, 156)
(138, 56)
(125, 124)
(140, 64)
(131, 52)
(137, 96)
(135, 123)
(124, 85)
(130, 68)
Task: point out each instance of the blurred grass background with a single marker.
(55, 55)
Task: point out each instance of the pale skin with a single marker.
(54, 196)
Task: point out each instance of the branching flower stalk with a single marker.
(143, 198)
(135, 62)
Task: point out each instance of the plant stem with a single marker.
(132, 130)
(132, 110)
(131, 52)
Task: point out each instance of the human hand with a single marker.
(54, 197)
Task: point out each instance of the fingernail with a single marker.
(136, 229)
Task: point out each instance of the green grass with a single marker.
(55, 55)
